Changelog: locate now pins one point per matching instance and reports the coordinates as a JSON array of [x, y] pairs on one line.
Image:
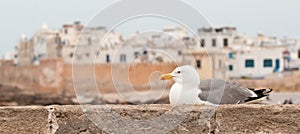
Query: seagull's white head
[[183, 75]]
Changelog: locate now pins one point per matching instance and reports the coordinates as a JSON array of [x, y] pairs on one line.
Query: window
[[41, 56], [89, 41], [145, 52], [186, 38], [268, 63], [225, 42], [214, 42], [277, 65], [123, 58], [230, 55], [230, 68], [136, 54], [107, 58], [198, 63], [35, 59], [179, 52], [71, 55], [202, 43], [249, 63]]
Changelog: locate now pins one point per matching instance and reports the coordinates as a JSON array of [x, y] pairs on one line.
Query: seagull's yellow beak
[[166, 76]]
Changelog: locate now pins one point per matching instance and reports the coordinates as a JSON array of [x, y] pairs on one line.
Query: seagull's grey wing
[[218, 91]]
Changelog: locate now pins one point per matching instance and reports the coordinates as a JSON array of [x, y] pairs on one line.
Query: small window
[[71, 55], [268, 63], [145, 52], [230, 55], [225, 42], [277, 65], [214, 42], [202, 43], [198, 63], [136, 54], [107, 58], [123, 58], [41, 56], [179, 52], [230, 68], [35, 59], [89, 41], [249, 63], [186, 38]]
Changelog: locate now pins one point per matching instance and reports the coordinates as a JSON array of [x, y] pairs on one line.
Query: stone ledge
[[144, 119]]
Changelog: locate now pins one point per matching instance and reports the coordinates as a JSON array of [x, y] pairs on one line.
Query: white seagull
[[188, 89]]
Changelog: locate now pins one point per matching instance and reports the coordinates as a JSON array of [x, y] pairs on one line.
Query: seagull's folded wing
[[218, 91]]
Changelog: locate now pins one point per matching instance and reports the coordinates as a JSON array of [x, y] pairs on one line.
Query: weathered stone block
[[151, 119], [133, 119], [258, 118], [23, 120]]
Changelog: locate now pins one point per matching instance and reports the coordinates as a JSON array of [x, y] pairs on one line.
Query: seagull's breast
[[179, 95]]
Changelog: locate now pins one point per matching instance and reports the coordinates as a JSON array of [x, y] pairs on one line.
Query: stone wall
[[135, 119], [54, 77], [45, 78], [108, 76]]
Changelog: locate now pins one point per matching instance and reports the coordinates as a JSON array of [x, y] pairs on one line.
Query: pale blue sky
[[274, 17]]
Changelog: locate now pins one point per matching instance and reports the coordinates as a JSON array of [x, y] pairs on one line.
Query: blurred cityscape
[[40, 67]]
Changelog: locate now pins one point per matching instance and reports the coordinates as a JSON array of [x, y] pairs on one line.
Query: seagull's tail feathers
[[262, 94]]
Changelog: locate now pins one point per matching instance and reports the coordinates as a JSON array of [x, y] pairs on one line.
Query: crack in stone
[[53, 125]]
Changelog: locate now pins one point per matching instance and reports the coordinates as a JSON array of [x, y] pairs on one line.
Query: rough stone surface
[[27, 120], [151, 119], [129, 119], [258, 118]]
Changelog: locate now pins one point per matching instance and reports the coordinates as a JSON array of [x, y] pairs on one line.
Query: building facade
[[215, 52]]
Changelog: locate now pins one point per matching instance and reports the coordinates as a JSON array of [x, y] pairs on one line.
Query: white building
[[216, 38], [46, 43], [72, 42], [235, 54], [255, 63], [25, 51], [151, 47], [245, 56], [264, 40]]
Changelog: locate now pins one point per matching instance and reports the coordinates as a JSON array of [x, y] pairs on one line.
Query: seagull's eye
[[178, 72]]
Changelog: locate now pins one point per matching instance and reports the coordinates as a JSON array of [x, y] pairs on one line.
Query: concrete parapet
[[224, 119]]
